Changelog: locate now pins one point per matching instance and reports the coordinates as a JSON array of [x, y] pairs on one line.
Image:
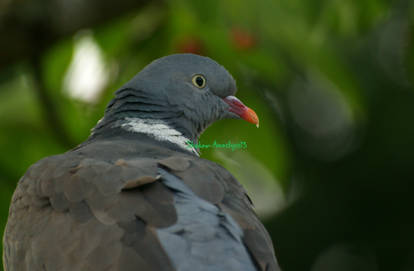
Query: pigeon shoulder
[[77, 212]]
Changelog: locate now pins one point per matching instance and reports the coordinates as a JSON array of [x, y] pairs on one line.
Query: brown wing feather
[[70, 213]]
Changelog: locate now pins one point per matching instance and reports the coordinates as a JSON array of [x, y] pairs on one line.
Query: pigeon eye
[[199, 81]]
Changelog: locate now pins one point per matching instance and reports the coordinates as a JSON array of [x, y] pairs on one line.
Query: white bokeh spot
[[87, 74]]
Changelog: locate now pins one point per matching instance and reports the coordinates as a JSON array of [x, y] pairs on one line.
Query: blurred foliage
[[331, 167]]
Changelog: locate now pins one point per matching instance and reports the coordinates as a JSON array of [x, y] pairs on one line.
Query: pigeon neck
[[139, 112], [157, 129]]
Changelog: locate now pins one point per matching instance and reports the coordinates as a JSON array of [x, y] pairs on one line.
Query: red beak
[[238, 108]]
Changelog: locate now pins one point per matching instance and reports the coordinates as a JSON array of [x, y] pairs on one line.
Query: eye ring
[[199, 81]]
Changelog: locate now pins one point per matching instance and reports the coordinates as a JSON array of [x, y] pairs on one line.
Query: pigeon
[[136, 195]]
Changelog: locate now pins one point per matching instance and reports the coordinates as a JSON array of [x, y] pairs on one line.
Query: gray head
[[188, 92]]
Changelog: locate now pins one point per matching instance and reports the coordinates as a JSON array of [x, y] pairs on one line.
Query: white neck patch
[[158, 130]]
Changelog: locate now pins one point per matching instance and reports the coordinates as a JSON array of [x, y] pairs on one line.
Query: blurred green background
[[331, 169]]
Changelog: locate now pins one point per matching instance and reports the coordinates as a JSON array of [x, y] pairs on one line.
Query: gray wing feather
[[203, 236]]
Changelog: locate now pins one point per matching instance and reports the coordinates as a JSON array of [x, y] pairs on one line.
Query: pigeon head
[[184, 92]]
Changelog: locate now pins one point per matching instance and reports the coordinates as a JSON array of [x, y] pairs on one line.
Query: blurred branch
[[51, 115], [29, 27]]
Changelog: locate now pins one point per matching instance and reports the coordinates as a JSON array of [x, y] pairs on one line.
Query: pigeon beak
[[238, 108]]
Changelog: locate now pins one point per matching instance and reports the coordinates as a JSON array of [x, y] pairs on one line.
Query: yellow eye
[[199, 81]]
